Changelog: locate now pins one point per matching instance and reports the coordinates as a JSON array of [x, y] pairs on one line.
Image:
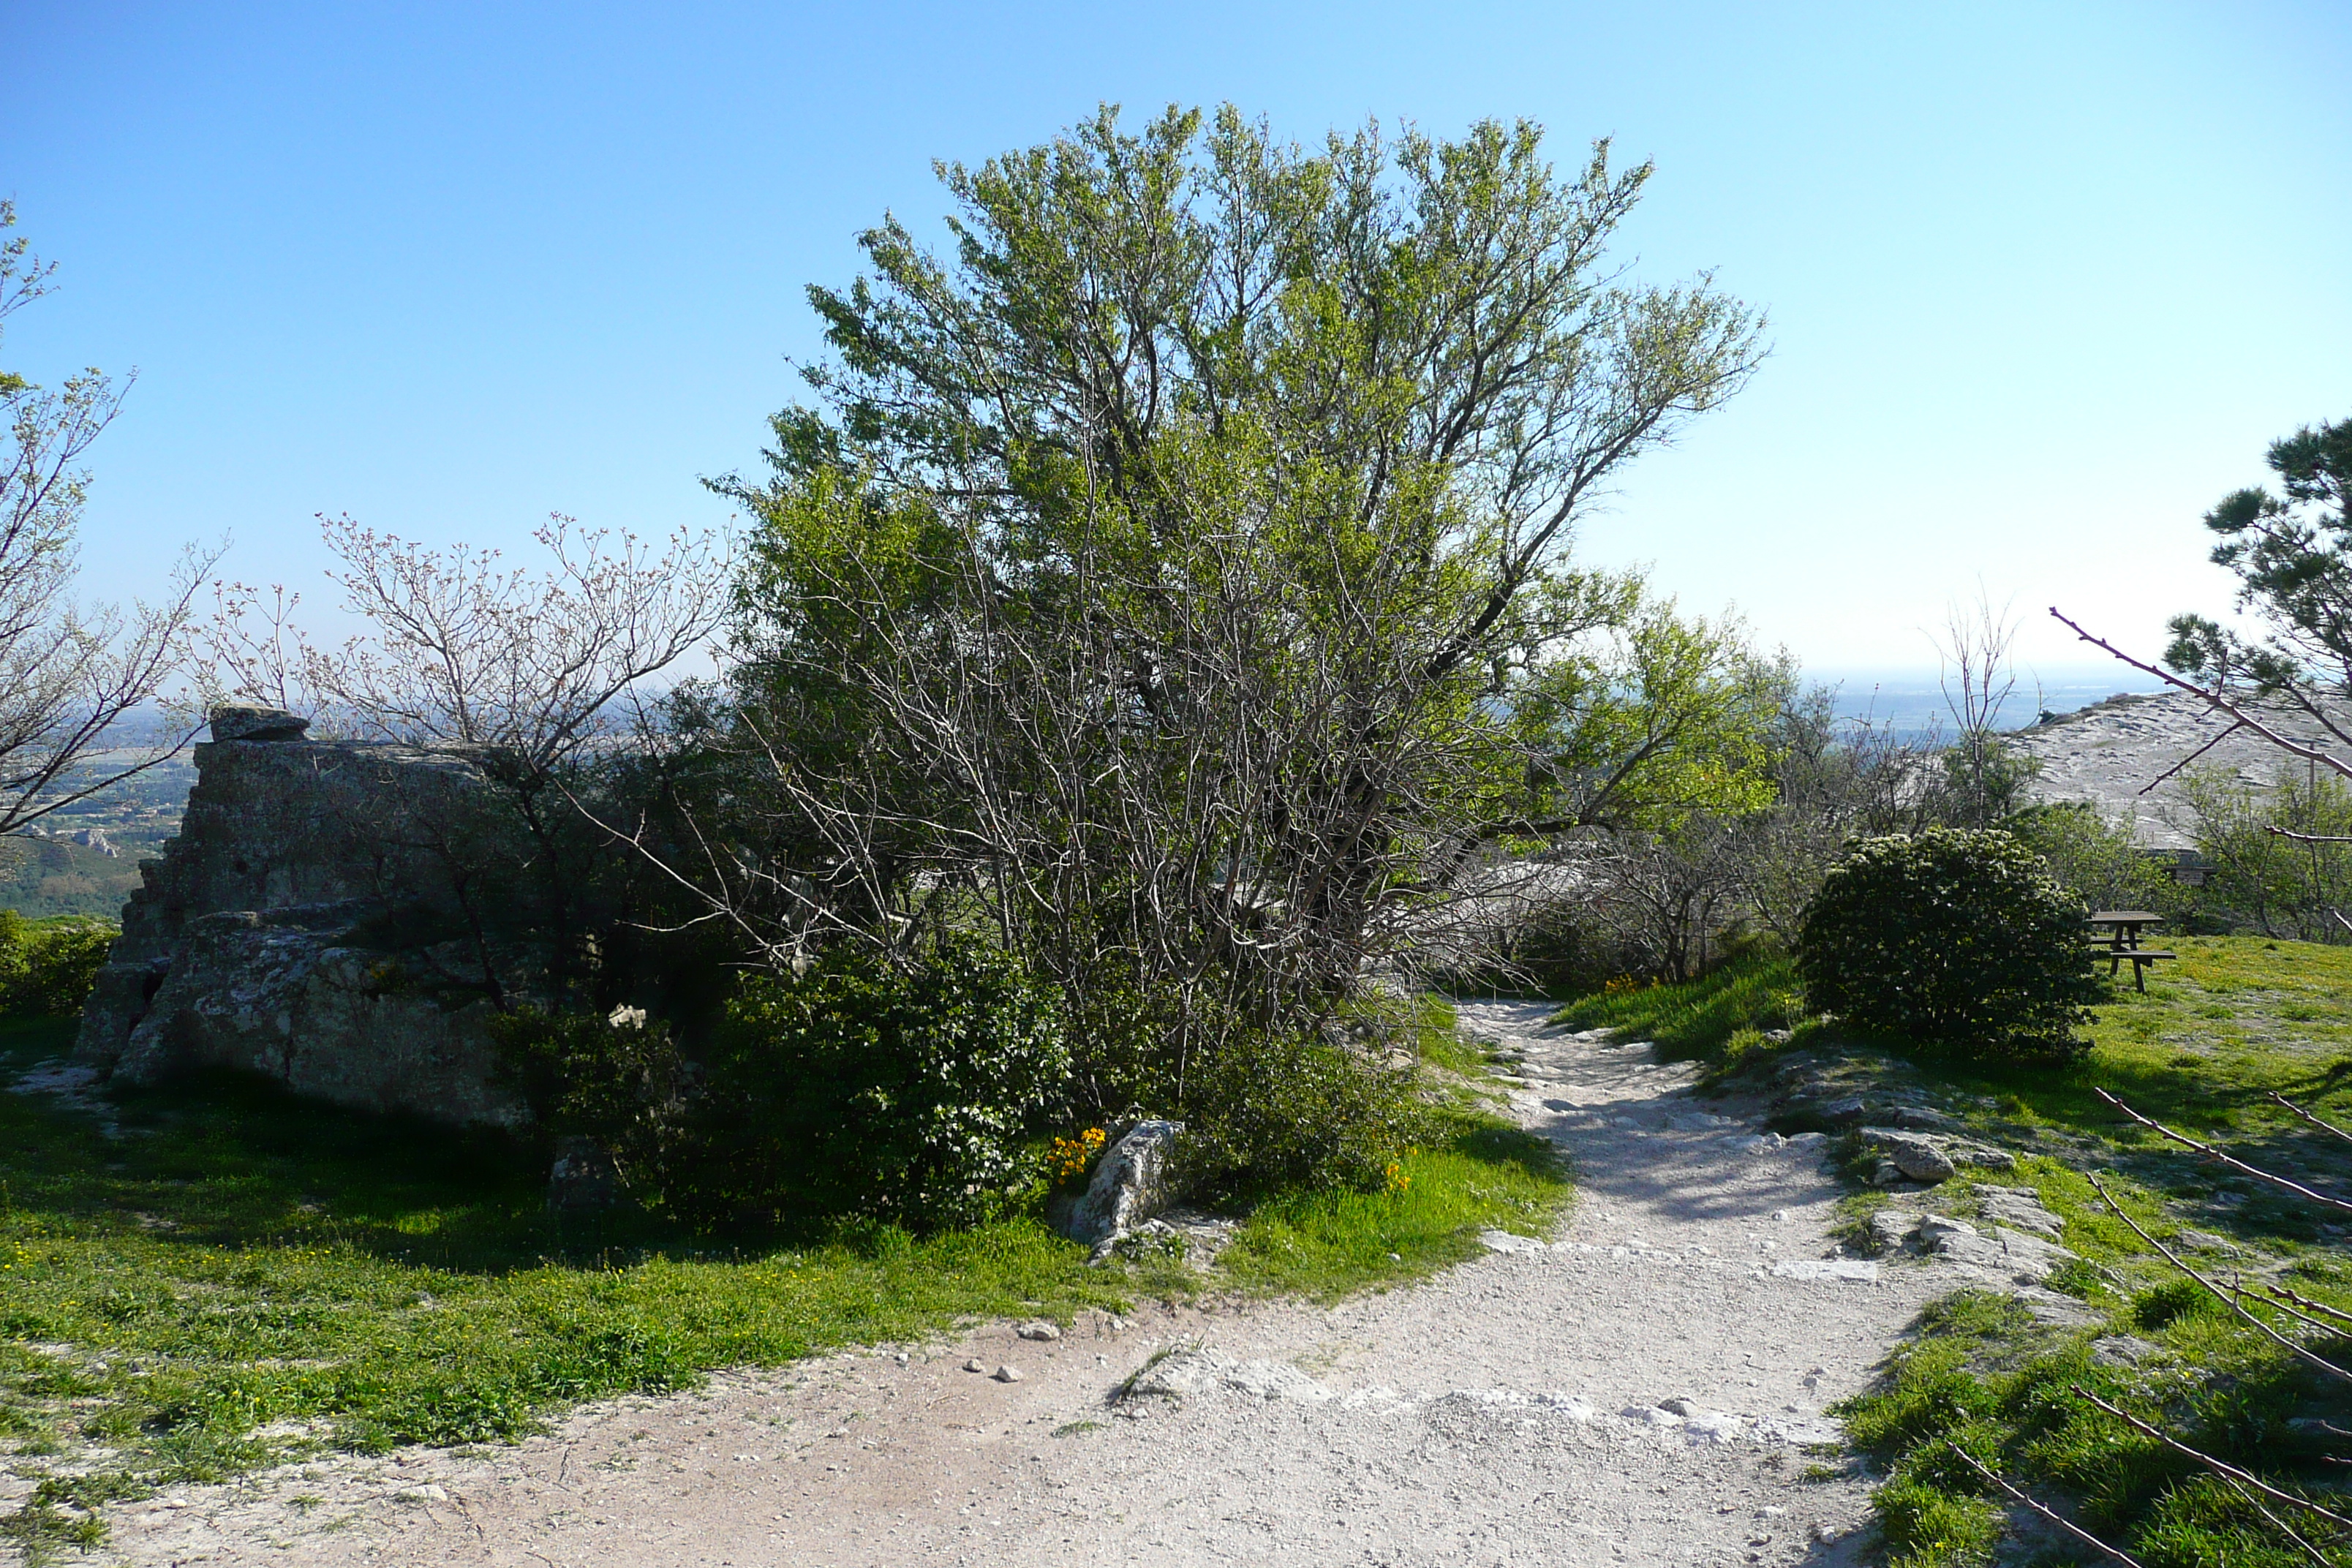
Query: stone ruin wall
[[290, 930]]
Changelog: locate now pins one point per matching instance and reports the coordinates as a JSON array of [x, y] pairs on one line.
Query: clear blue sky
[[2045, 278]]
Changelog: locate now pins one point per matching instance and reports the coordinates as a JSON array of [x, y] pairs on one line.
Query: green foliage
[[1755, 990], [2292, 553], [247, 1259], [2260, 880], [1982, 1376], [906, 1094], [1926, 1527], [2098, 862], [1653, 716], [245, 1263], [1955, 939], [1175, 567], [2233, 1021], [46, 969], [616, 1079], [1272, 1112]]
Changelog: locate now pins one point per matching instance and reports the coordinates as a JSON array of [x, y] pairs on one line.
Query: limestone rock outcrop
[[1132, 1182], [311, 922]]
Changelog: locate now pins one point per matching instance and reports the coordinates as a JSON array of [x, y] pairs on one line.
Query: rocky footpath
[[1651, 1385]]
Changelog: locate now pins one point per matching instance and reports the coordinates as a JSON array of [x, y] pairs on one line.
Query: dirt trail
[[1508, 1412]]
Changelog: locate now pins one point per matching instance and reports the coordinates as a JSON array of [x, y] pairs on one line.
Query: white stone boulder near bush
[[1134, 1180]]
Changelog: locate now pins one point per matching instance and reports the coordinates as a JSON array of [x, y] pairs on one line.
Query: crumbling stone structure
[[317, 920]]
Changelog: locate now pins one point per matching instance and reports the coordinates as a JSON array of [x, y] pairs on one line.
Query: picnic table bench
[[2114, 936]]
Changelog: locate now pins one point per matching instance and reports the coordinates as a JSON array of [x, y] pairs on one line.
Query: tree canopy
[[1180, 564], [2292, 554]]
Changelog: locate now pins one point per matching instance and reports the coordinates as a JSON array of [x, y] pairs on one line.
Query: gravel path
[[1513, 1411]]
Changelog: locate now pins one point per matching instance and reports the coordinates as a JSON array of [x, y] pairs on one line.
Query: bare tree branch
[[2321, 1363], [72, 676], [2053, 1515], [2218, 1157], [2308, 1116], [2183, 764], [2214, 700], [2219, 1467]]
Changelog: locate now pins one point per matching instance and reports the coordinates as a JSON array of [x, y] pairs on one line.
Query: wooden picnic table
[[2114, 936]]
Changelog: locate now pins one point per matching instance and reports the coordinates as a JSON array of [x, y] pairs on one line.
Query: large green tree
[[1177, 569]]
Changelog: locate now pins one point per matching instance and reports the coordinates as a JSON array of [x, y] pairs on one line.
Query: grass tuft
[[1485, 1175]]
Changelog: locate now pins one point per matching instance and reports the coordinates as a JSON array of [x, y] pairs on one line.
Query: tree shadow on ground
[[225, 1159]]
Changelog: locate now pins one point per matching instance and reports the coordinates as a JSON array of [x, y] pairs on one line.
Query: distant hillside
[[41, 877], [2110, 751], [84, 860]]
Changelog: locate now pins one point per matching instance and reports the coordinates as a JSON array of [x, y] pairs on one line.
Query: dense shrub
[[48, 970], [2259, 881], [1955, 938], [907, 1095], [1266, 1112], [615, 1077]]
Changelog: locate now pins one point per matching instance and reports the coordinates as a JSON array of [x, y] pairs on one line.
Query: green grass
[[1984, 1378], [1484, 1176], [1756, 990], [2236, 1020], [240, 1277]]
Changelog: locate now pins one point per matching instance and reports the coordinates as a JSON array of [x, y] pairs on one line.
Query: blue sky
[[2044, 279]]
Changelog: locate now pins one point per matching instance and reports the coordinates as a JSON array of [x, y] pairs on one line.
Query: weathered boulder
[[237, 722], [1132, 1182], [1917, 1157], [2024, 1258], [306, 922], [285, 993], [2020, 1208], [1893, 1229]]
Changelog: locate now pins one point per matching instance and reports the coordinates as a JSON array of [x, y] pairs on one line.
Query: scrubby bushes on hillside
[[48, 970], [904, 1094], [1956, 939], [2098, 861], [1269, 1113]]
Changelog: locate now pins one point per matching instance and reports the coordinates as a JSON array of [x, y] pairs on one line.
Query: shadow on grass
[[226, 1160]]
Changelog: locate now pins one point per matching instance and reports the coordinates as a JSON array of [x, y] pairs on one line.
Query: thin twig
[[2212, 700], [2308, 837], [2069, 1526], [2192, 757], [2219, 1467], [2307, 1303], [2322, 1362], [2282, 1526], [2304, 1318], [2308, 1116], [2236, 1164]]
